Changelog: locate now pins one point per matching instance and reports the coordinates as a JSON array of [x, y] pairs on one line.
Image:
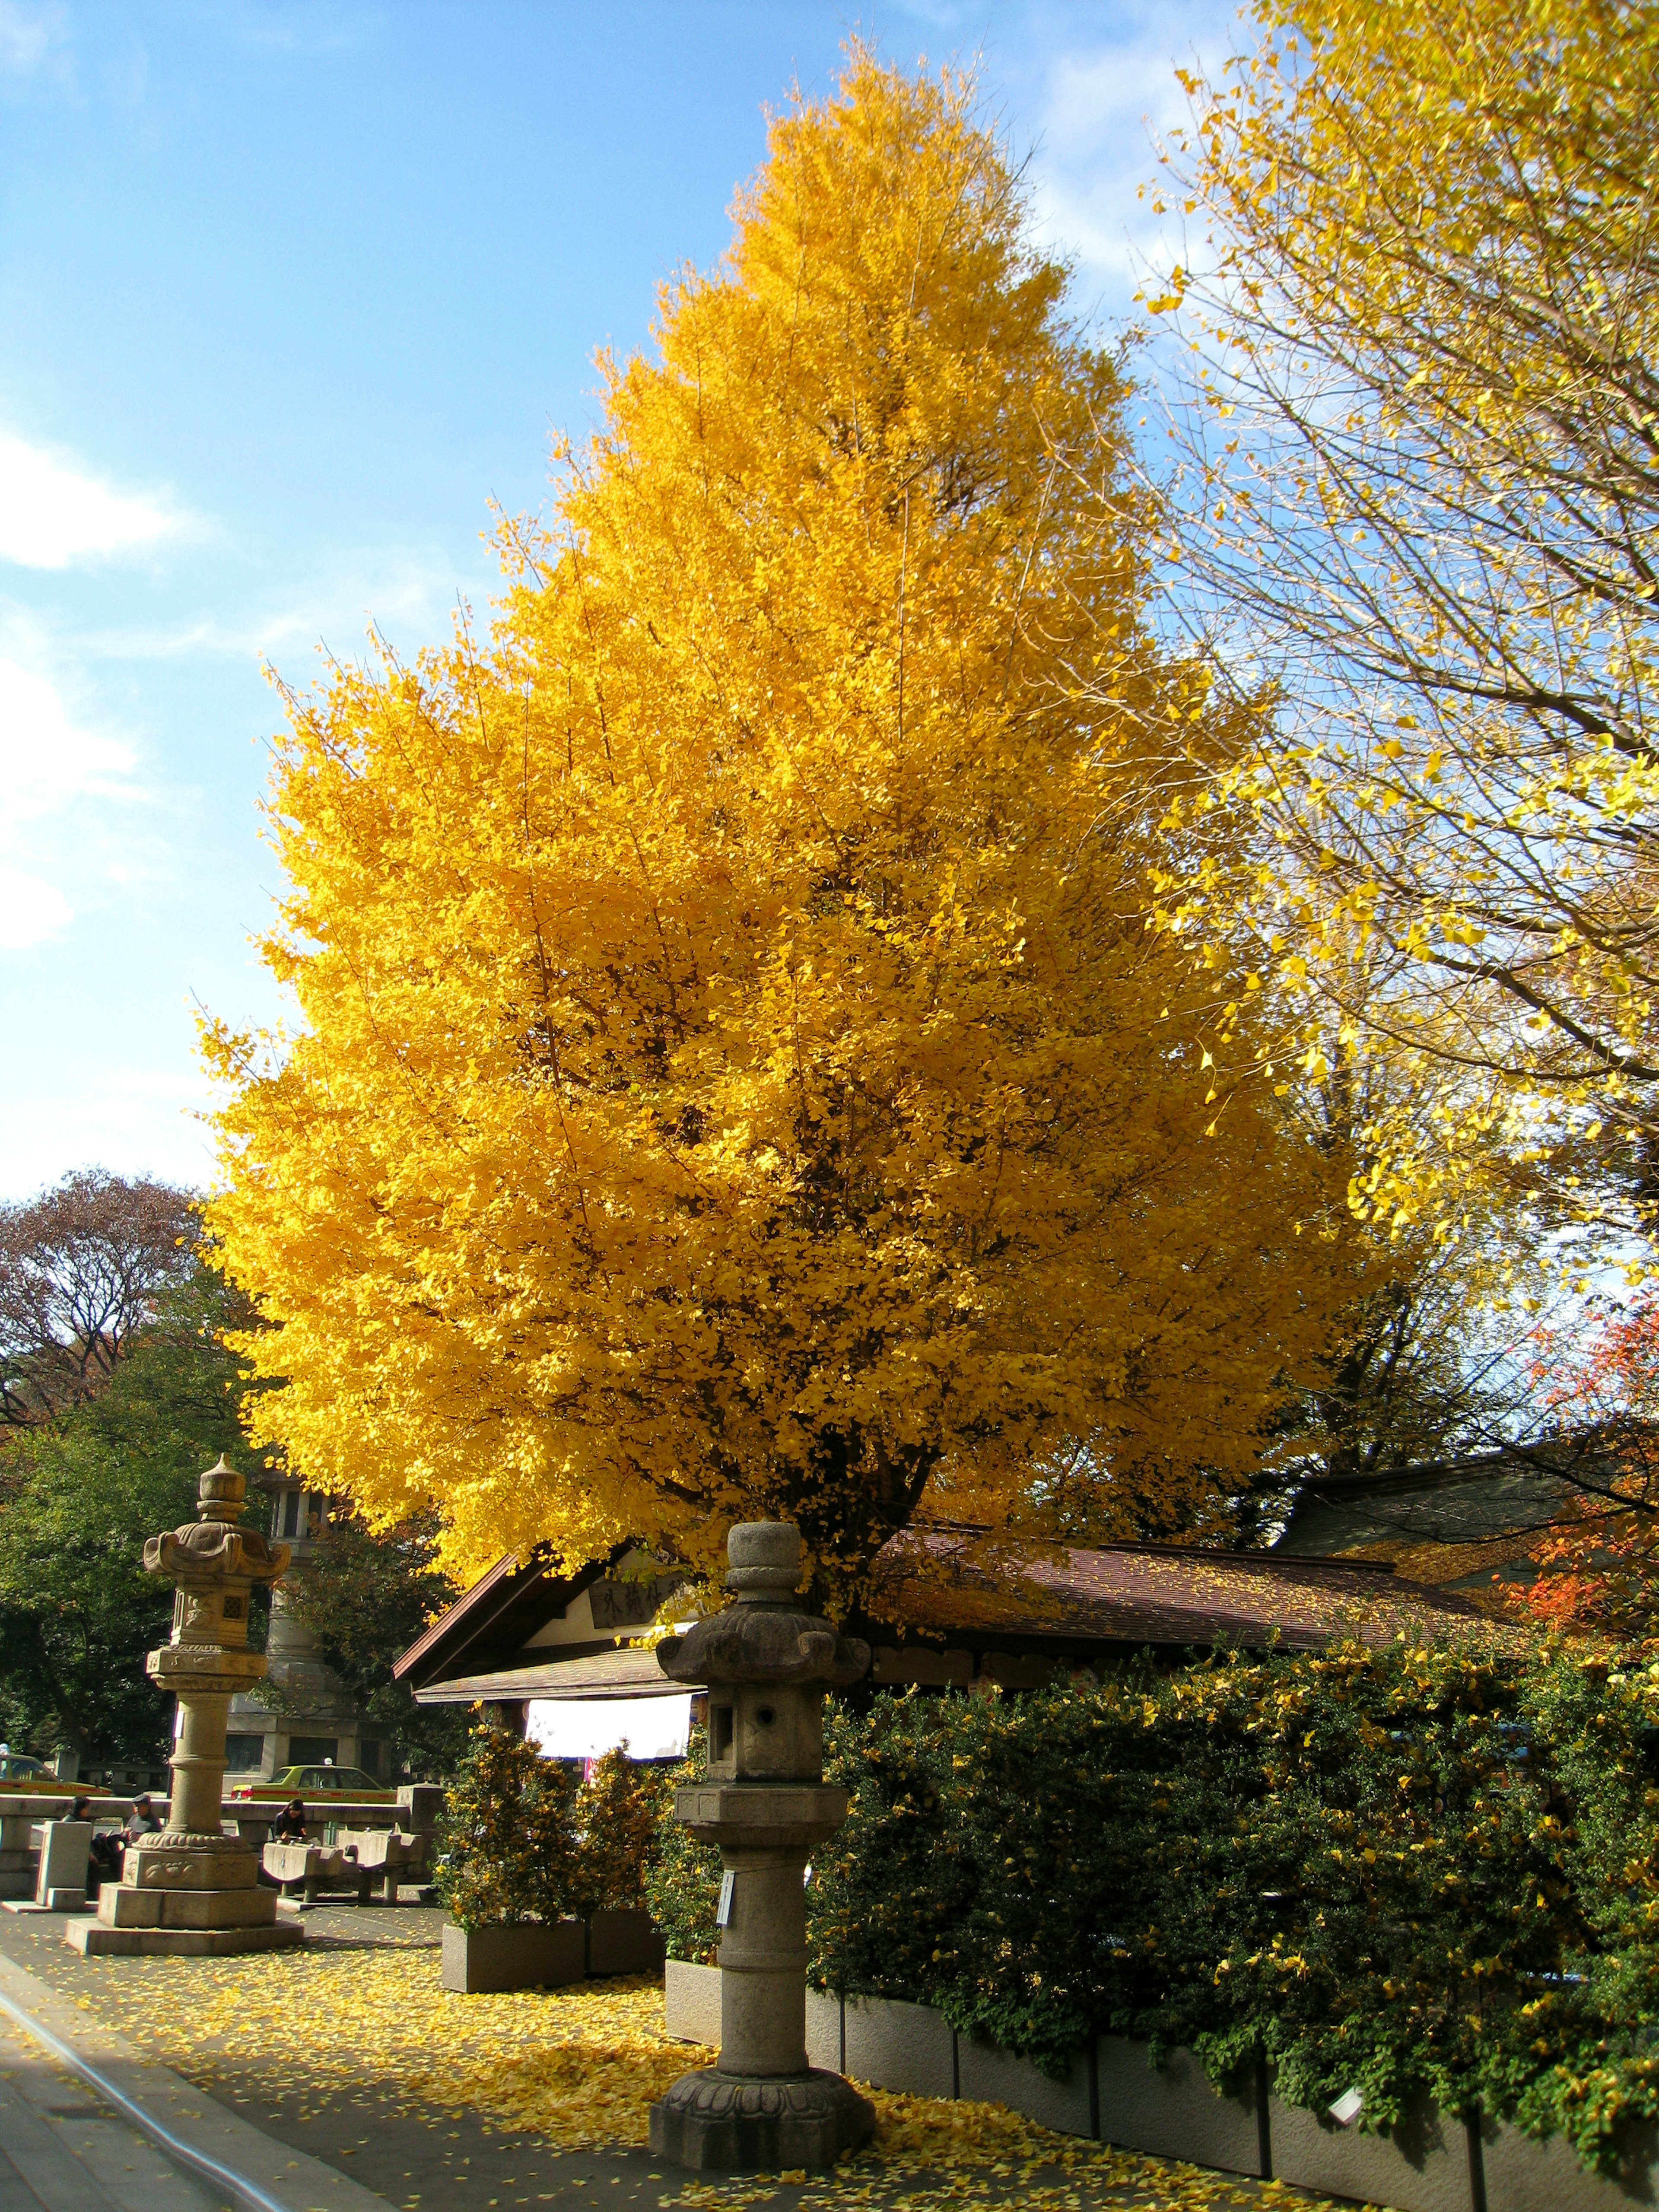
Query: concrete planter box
[[1526, 2176], [1173, 2111], [824, 2031], [996, 2077], [691, 2001], [622, 1942], [523, 1955], [898, 2046], [1422, 2165]]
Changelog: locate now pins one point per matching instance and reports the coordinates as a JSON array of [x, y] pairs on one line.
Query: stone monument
[[766, 1804], [192, 1889]]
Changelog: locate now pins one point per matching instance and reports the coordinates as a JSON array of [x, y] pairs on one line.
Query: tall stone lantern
[[192, 1889], [766, 1804]]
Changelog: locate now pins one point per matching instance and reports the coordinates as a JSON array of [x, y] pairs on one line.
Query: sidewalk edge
[[264, 2174]]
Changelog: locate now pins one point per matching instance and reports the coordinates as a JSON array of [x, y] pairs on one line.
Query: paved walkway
[[88, 2123], [314, 2141], [63, 2149]]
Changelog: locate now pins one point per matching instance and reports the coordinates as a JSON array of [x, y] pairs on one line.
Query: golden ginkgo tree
[[735, 1071]]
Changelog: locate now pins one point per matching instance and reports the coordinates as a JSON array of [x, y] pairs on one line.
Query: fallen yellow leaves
[[581, 2067]]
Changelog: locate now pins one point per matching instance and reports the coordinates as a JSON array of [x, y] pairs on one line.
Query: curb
[[185, 2123]]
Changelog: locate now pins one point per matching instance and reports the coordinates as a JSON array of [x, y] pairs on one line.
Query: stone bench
[[386, 1856], [315, 1870]]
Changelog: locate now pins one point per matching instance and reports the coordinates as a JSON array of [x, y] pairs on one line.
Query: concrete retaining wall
[[1429, 2163]]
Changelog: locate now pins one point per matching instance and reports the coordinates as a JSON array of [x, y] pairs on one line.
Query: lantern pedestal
[[192, 1889], [766, 1806]]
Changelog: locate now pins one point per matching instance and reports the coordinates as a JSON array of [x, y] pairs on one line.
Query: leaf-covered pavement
[[367, 2036]]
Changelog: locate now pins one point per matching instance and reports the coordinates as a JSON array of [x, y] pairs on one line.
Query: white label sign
[[728, 1891]]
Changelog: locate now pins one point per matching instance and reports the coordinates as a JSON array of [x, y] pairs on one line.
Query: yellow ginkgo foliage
[[735, 1074]]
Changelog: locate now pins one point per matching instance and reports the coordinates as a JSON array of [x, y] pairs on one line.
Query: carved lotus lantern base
[[192, 1889], [767, 1806], [730, 2122]]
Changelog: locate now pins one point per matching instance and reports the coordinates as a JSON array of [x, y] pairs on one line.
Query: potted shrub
[[508, 1872], [617, 1809], [544, 1874]]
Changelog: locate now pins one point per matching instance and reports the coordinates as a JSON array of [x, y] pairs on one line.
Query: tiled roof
[[1156, 1593]]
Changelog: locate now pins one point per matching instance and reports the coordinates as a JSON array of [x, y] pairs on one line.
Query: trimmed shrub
[[508, 1844], [617, 1812], [526, 1838], [682, 1877]]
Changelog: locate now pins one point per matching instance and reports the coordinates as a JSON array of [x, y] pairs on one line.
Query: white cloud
[[47, 764], [32, 39], [31, 909], [51, 514], [1103, 105], [135, 1116]]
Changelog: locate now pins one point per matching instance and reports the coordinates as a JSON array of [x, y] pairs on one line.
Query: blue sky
[[288, 294]]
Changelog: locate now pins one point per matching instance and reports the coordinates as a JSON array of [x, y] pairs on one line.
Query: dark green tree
[[78, 1496]]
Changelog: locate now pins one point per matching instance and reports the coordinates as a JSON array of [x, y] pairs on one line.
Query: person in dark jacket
[[290, 1826], [141, 1820]]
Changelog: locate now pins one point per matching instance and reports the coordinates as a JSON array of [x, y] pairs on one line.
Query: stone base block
[[119, 1906], [94, 1940], [218, 1908], [734, 2123], [226, 1865]]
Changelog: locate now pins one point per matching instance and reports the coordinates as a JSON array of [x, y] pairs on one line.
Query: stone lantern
[[766, 1804], [192, 1889]]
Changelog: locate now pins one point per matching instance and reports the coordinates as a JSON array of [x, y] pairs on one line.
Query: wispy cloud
[[31, 39], [1103, 103], [59, 1106], [404, 593], [52, 514], [48, 765]]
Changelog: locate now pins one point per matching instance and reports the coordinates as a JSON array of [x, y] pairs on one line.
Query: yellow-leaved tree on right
[[737, 1073]]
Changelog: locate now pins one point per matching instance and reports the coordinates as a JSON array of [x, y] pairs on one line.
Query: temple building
[[558, 1657]]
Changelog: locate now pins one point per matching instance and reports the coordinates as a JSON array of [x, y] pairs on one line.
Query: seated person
[[103, 1851], [141, 1820], [290, 1826]]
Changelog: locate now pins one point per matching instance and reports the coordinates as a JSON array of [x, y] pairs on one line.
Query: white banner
[[586, 1727]]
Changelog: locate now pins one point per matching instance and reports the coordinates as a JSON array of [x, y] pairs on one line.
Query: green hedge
[[1407, 1871]]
